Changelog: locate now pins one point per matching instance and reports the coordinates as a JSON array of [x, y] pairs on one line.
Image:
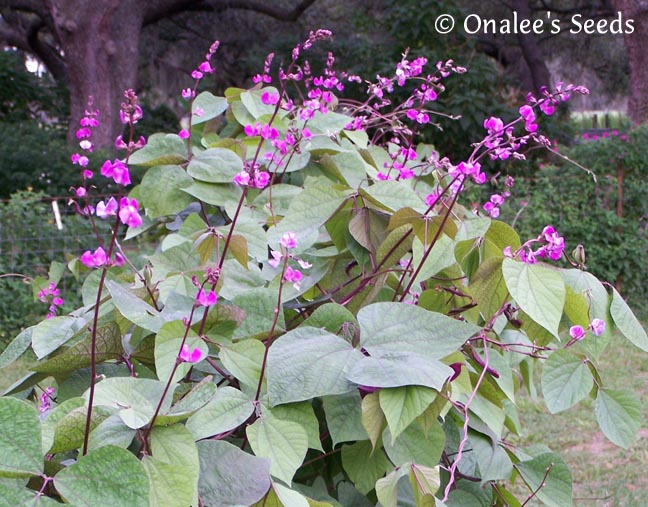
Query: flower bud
[[579, 255]]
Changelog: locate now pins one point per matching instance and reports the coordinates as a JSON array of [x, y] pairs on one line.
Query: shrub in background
[[587, 206]]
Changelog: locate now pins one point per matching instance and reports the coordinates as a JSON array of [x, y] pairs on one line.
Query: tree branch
[[33, 6], [266, 8], [161, 9], [48, 54]]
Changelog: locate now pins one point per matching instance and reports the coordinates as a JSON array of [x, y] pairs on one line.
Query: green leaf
[[283, 441], [107, 477], [211, 106], [397, 327], [258, 305], [238, 249], [369, 228], [344, 417], [425, 482], [50, 334], [502, 235], [218, 194], [415, 445], [108, 346], [160, 191], [251, 99], [111, 431], [395, 369], [387, 487], [167, 347], [332, 317], [328, 123], [548, 475], [227, 410], [393, 195], [243, 360], [48, 428], [440, 257], [21, 450], [364, 465], [307, 212], [293, 498], [373, 419], [194, 400], [488, 287], [402, 405], [347, 166], [20, 496], [135, 398], [566, 380], [160, 149], [589, 287], [133, 308], [627, 323], [215, 165], [619, 415], [304, 415], [306, 363], [576, 308], [494, 462], [70, 430], [230, 477], [173, 467], [17, 347], [538, 290]]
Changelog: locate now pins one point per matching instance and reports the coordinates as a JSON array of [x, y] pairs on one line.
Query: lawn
[[604, 475]]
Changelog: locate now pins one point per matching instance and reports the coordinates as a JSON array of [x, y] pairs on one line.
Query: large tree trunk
[[100, 41], [635, 44], [538, 72]]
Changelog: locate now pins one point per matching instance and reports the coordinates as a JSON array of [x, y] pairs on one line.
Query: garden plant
[[323, 323]]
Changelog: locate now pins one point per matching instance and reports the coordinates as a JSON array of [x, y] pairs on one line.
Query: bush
[[323, 323], [586, 207]]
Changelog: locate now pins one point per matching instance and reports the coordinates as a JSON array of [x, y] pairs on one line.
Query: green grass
[[603, 475]]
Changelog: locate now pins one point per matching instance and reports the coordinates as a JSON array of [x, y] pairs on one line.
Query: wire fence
[[36, 230]]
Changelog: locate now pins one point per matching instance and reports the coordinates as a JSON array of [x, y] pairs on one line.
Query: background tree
[[93, 45], [636, 48]]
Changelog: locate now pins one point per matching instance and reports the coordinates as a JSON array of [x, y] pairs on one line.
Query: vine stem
[[93, 338], [268, 342], [542, 485], [169, 381], [464, 439]]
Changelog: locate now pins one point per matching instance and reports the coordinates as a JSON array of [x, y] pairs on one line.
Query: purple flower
[[242, 179], [116, 170], [261, 179], [577, 333], [597, 326], [206, 298], [269, 99], [105, 210], [288, 240], [129, 212], [293, 276], [94, 259], [45, 399], [190, 356]]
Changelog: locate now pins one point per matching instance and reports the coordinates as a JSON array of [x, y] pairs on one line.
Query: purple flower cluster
[[551, 246]]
